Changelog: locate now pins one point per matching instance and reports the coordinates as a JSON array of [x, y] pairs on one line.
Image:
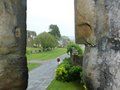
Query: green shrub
[[75, 72], [61, 74], [74, 48], [66, 63], [67, 72]]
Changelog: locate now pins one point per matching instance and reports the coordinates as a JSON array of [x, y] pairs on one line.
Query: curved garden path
[[40, 78]]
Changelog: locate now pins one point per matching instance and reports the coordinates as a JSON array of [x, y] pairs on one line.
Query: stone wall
[[13, 65], [102, 62]]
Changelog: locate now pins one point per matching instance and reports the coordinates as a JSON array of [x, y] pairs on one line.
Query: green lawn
[[30, 49], [32, 66], [57, 85], [45, 55]]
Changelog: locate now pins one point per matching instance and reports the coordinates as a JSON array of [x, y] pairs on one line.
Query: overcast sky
[[42, 13]]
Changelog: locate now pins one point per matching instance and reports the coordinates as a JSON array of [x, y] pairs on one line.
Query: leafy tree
[[47, 41], [73, 48], [54, 30], [37, 42]]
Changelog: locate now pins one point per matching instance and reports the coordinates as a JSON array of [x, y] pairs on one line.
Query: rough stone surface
[[102, 62], [85, 21], [13, 66]]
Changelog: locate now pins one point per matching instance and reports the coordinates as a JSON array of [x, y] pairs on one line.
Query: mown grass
[[45, 55], [32, 66], [58, 85], [30, 49]]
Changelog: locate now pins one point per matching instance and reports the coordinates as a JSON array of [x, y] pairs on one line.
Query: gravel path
[[40, 78]]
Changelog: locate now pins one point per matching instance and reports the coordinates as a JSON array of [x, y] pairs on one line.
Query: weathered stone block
[[85, 21], [13, 65]]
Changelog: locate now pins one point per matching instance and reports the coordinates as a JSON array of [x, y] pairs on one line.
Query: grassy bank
[[32, 66], [57, 85], [45, 55]]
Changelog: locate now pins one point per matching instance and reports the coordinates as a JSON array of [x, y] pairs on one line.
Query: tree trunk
[[13, 65], [102, 62]]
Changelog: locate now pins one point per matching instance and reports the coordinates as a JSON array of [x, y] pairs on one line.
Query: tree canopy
[[54, 30], [46, 40], [73, 48]]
